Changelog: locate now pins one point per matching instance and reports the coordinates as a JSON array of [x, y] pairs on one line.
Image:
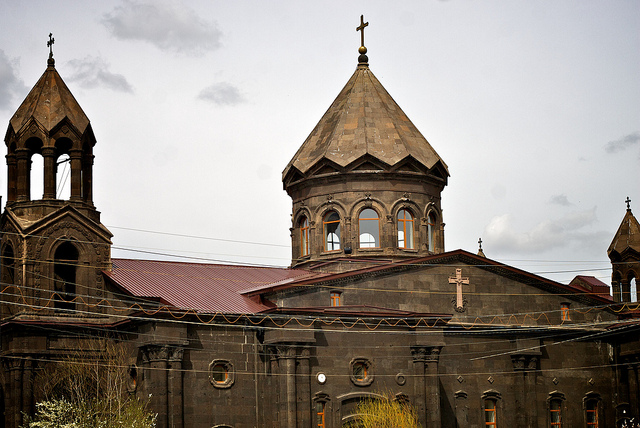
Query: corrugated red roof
[[202, 287]]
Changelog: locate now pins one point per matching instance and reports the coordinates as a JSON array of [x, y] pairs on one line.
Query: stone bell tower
[[52, 249], [366, 183], [624, 253]]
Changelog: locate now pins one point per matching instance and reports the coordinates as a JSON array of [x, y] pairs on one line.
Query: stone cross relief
[[459, 302]]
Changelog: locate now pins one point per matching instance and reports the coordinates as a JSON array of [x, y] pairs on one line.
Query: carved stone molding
[[151, 353]]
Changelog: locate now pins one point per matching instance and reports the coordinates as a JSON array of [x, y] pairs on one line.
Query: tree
[[90, 390], [386, 412]]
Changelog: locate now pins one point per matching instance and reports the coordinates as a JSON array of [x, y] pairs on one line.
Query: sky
[[198, 106]]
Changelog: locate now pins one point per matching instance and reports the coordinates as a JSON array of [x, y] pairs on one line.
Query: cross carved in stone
[[459, 281], [361, 29]]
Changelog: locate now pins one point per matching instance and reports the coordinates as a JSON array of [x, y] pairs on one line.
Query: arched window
[[320, 414], [591, 410], [369, 223], [304, 237], [490, 412], [633, 288], [66, 261], [431, 232], [555, 409], [490, 399], [405, 229], [331, 225]]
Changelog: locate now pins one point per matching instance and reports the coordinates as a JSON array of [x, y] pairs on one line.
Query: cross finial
[[362, 59], [361, 29], [628, 201], [480, 243], [50, 44]]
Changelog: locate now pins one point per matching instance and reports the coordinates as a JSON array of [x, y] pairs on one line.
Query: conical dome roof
[[49, 103], [364, 120], [627, 237]]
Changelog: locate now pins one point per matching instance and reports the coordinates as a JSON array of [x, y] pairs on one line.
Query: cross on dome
[[361, 29], [50, 44]]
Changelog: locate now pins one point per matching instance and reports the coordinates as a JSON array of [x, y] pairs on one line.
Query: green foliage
[[89, 390], [385, 413]]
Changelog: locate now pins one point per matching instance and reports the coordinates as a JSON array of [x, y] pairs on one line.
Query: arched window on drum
[[431, 232], [331, 226], [304, 236], [405, 229], [369, 227]]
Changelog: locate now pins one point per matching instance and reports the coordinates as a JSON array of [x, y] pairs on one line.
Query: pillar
[[76, 174], [87, 177], [175, 387], [304, 389], [12, 177], [23, 165], [419, 360], [432, 384], [49, 155], [155, 364], [632, 375], [526, 367]]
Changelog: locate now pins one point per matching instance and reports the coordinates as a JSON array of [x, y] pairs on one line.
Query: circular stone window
[[221, 373], [321, 378], [361, 371]]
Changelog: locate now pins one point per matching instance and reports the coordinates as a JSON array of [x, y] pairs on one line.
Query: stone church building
[[372, 303]]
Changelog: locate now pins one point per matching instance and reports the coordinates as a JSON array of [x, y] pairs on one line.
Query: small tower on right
[[624, 253]]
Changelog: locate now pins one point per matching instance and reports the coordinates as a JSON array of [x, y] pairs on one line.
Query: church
[[371, 306]]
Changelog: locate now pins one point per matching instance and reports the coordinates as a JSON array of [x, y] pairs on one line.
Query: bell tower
[[624, 253], [53, 250]]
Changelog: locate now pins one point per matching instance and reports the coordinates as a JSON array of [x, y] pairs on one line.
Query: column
[[76, 174], [304, 389], [13, 392], [632, 375], [28, 406], [87, 177], [175, 387], [519, 365], [287, 360], [24, 169], [49, 155], [530, 389], [432, 384], [419, 359], [155, 361], [12, 177]]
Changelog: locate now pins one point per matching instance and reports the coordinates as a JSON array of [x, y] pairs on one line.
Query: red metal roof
[[202, 287]]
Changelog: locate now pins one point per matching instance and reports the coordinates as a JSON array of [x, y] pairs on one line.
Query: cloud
[[222, 93], [623, 143], [10, 85], [501, 234], [560, 200], [170, 27], [93, 72]]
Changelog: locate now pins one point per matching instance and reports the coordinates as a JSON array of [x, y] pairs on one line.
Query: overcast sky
[[198, 106]]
